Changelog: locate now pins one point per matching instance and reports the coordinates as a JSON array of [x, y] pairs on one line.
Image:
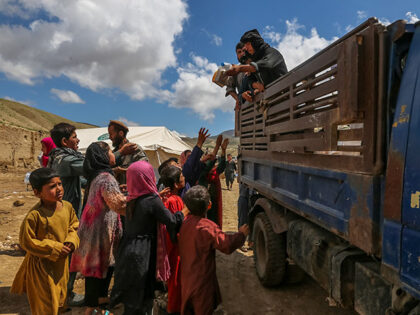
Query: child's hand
[[185, 211], [69, 245], [219, 140], [225, 144], [164, 192], [119, 170], [244, 229], [218, 143], [203, 134], [65, 251], [208, 157], [258, 86], [247, 95]]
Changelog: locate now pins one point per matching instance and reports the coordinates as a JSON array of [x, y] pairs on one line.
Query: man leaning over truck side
[[267, 62], [234, 83]]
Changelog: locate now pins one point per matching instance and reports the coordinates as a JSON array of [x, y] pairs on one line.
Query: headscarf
[[49, 144], [96, 161], [257, 42], [140, 180]]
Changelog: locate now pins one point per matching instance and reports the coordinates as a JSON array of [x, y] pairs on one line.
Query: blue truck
[[329, 158]]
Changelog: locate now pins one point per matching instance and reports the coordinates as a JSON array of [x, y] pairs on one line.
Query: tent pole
[[158, 156]]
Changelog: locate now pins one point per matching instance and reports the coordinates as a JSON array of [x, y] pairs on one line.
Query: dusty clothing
[[234, 84], [125, 161], [230, 172], [230, 167], [43, 275], [69, 165], [100, 228], [198, 240], [134, 286]]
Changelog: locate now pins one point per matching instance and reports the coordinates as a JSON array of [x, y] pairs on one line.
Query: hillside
[[19, 115], [210, 142]]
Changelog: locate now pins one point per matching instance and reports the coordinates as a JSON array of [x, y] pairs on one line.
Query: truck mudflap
[[372, 292], [326, 258]]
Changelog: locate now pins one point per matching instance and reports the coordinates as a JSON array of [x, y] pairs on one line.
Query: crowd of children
[[142, 233]]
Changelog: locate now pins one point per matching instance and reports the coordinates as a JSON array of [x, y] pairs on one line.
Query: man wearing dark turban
[[267, 62]]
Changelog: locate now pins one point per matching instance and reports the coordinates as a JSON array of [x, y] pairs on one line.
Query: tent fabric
[[158, 143]]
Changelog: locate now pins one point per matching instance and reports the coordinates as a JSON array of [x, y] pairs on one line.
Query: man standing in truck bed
[[267, 62]]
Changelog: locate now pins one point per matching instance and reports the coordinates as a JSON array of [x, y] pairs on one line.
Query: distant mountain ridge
[[19, 115], [228, 133], [211, 141]]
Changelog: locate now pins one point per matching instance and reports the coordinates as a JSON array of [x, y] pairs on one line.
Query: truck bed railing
[[327, 112]]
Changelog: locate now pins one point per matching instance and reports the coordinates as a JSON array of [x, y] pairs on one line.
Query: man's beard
[[243, 59], [247, 55], [117, 141]]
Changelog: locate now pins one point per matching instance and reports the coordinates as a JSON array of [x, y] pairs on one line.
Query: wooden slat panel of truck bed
[[325, 111]]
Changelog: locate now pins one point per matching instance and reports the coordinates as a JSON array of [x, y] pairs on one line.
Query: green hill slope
[[23, 116]]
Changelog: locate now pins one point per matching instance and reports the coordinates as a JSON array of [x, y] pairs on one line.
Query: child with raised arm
[[210, 179], [48, 234], [198, 240]]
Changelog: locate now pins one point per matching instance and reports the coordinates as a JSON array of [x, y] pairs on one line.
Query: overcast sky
[[150, 63]]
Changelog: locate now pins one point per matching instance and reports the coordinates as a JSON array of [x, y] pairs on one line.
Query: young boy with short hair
[[198, 240], [68, 163], [48, 234]]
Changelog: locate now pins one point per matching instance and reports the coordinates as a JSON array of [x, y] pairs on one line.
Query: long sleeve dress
[[135, 268], [43, 275], [210, 179], [198, 240], [100, 228], [193, 166]]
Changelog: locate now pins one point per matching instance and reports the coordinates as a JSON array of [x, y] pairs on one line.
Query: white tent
[[159, 143]]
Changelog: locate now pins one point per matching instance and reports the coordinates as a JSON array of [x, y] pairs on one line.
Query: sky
[[150, 63]]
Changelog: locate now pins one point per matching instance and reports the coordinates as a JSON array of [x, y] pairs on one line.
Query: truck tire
[[269, 252]]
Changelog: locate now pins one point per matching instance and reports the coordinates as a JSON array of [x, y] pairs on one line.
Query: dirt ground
[[241, 291]]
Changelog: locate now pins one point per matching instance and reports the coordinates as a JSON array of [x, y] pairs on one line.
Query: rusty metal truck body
[[331, 151]]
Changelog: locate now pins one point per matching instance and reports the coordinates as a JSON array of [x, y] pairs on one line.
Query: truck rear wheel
[[269, 252]]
